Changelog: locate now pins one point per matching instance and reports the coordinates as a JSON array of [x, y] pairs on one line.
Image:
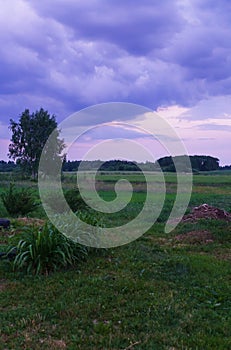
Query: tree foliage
[[7, 166], [29, 136], [111, 165], [198, 163]]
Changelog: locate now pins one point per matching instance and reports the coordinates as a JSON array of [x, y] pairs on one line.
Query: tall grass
[[45, 250]]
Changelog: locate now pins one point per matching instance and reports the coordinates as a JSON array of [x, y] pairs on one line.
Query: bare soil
[[31, 221], [206, 211], [195, 237]]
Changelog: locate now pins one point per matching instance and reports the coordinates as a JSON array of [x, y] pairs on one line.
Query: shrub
[[72, 197], [18, 201], [46, 249]]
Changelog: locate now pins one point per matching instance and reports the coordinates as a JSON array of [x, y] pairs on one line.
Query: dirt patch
[[54, 344], [195, 237], [31, 221], [224, 254], [206, 211], [16, 227]]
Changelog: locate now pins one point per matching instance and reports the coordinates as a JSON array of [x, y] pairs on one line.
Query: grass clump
[[43, 250]]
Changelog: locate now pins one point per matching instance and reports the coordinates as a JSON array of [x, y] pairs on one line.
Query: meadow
[[158, 292]]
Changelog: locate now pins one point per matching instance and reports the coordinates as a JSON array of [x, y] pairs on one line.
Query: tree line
[[31, 131], [167, 164], [199, 164]]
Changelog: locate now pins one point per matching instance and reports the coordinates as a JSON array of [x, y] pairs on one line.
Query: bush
[[72, 197], [75, 200], [40, 251], [18, 201]]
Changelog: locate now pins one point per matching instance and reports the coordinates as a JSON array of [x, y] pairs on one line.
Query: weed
[[45, 250]]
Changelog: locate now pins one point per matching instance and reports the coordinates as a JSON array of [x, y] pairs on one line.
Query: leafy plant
[[73, 198], [77, 230], [18, 201], [45, 250]]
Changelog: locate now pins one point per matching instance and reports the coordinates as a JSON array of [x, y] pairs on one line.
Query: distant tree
[[7, 166], [198, 163], [29, 136], [225, 167], [119, 165], [204, 163]]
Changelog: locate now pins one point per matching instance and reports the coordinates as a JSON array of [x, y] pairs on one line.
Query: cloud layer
[[64, 55]]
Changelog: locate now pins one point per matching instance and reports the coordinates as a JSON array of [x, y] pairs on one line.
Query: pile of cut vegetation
[[206, 211]]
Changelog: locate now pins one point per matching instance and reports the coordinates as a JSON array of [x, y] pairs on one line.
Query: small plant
[[18, 201], [40, 251], [73, 199], [76, 228]]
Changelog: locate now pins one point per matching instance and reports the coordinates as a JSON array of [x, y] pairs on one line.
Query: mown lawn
[[154, 293]]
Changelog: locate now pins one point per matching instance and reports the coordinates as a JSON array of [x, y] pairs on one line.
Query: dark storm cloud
[[136, 26], [203, 48], [66, 55]]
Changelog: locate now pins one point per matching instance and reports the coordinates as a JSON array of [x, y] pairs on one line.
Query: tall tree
[[29, 136]]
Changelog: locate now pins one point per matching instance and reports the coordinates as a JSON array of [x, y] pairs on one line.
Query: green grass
[[154, 293], [139, 293]]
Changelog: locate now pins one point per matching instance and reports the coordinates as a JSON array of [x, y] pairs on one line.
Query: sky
[[172, 57]]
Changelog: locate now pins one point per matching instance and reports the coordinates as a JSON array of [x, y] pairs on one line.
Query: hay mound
[[206, 211]]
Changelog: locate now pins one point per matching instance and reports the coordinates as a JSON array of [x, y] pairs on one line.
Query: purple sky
[[173, 56]]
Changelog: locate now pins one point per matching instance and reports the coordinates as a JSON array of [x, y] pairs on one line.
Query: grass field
[[154, 293]]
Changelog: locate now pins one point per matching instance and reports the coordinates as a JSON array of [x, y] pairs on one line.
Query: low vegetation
[[43, 250], [162, 291], [18, 201]]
